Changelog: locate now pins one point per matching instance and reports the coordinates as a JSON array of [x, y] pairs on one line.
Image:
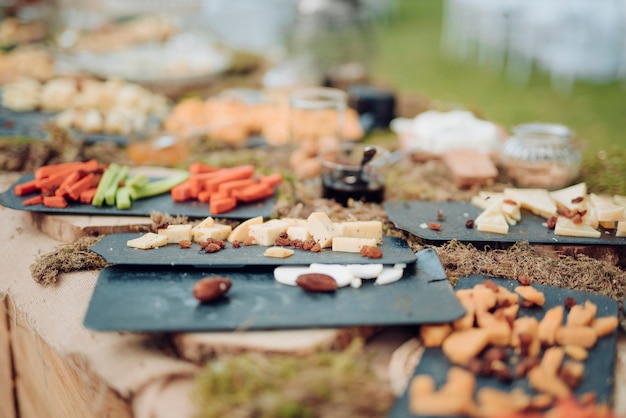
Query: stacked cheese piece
[[577, 213]]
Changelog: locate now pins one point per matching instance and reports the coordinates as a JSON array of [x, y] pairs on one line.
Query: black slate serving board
[[160, 300], [599, 366], [412, 216], [143, 207], [114, 250]]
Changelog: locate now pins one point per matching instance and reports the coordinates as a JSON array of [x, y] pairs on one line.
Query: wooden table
[[55, 367]]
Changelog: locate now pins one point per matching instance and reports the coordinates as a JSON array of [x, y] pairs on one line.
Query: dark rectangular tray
[[114, 250], [143, 207], [599, 366], [160, 300], [411, 216]]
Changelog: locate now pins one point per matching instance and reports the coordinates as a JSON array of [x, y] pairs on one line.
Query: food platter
[[599, 366], [114, 250], [142, 207], [146, 299], [414, 216]]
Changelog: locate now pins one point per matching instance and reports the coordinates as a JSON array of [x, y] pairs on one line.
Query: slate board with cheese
[[599, 365], [114, 249], [142, 207], [414, 216], [145, 299]]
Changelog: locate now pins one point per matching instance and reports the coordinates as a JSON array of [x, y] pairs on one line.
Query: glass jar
[[541, 155]]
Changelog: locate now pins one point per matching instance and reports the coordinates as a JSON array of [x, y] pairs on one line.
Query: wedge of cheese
[[573, 197], [619, 200], [176, 233], [538, 201], [217, 231], [565, 226], [206, 222], [240, 232], [148, 241], [321, 228], [621, 229], [606, 210], [492, 220]]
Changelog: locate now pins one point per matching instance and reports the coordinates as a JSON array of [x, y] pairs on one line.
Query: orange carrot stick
[[253, 192], [48, 170], [227, 187], [222, 205], [272, 180], [86, 196], [54, 202], [69, 180], [182, 192], [25, 188], [198, 167], [35, 200], [204, 196], [229, 174], [74, 191]]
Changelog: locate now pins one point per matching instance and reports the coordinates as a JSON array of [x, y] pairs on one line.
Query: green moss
[[605, 171]]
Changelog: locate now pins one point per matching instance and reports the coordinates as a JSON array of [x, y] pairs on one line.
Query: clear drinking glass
[[317, 113]]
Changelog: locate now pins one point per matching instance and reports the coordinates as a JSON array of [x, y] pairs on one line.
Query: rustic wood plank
[[57, 387], [199, 347], [7, 401], [69, 228]]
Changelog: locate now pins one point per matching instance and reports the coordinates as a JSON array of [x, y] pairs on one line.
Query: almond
[[211, 288], [316, 282]]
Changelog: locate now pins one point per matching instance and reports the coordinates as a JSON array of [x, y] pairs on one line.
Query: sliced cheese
[[240, 232], [619, 200], [206, 223], [621, 229], [147, 241], [492, 220], [573, 197], [267, 232], [321, 229], [362, 229], [351, 244], [176, 233], [537, 201], [217, 231], [606, 210], [278, 252], [565, 226]]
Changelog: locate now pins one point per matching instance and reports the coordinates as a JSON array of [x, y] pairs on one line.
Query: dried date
[[185, 243], [370, 251]]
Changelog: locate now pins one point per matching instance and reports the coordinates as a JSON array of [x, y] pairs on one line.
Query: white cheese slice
[[538, 201], [321, 229], [573, 197], [240, 232], [362, 229], [278, 252], [176, 233], [606, 210], [619, 200], [351, 245], [565, 226], [266, 233], [298, 232], [217, 231], [147, 241], [591, 217], [492, 220], [621, 229]]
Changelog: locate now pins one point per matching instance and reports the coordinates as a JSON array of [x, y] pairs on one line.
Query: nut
[[370, 251], [316, 282], [211, 288]]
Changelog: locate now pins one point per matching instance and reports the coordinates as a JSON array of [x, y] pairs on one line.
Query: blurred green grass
[[409, 57]]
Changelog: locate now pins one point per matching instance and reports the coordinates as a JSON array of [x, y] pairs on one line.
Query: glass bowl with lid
[[541, 155]]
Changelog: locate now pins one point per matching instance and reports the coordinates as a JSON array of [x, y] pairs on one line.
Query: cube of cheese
[[298, 232], [321, 228], [147, 241], [217, 231], [351, 244], [362, 229], [176, 233], [294, 221], [267, 232], [565, 226]]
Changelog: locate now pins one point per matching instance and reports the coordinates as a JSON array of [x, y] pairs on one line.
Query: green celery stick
[[107, 178], [159, 186], [109, 194], [140, 180], [122, 197]]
